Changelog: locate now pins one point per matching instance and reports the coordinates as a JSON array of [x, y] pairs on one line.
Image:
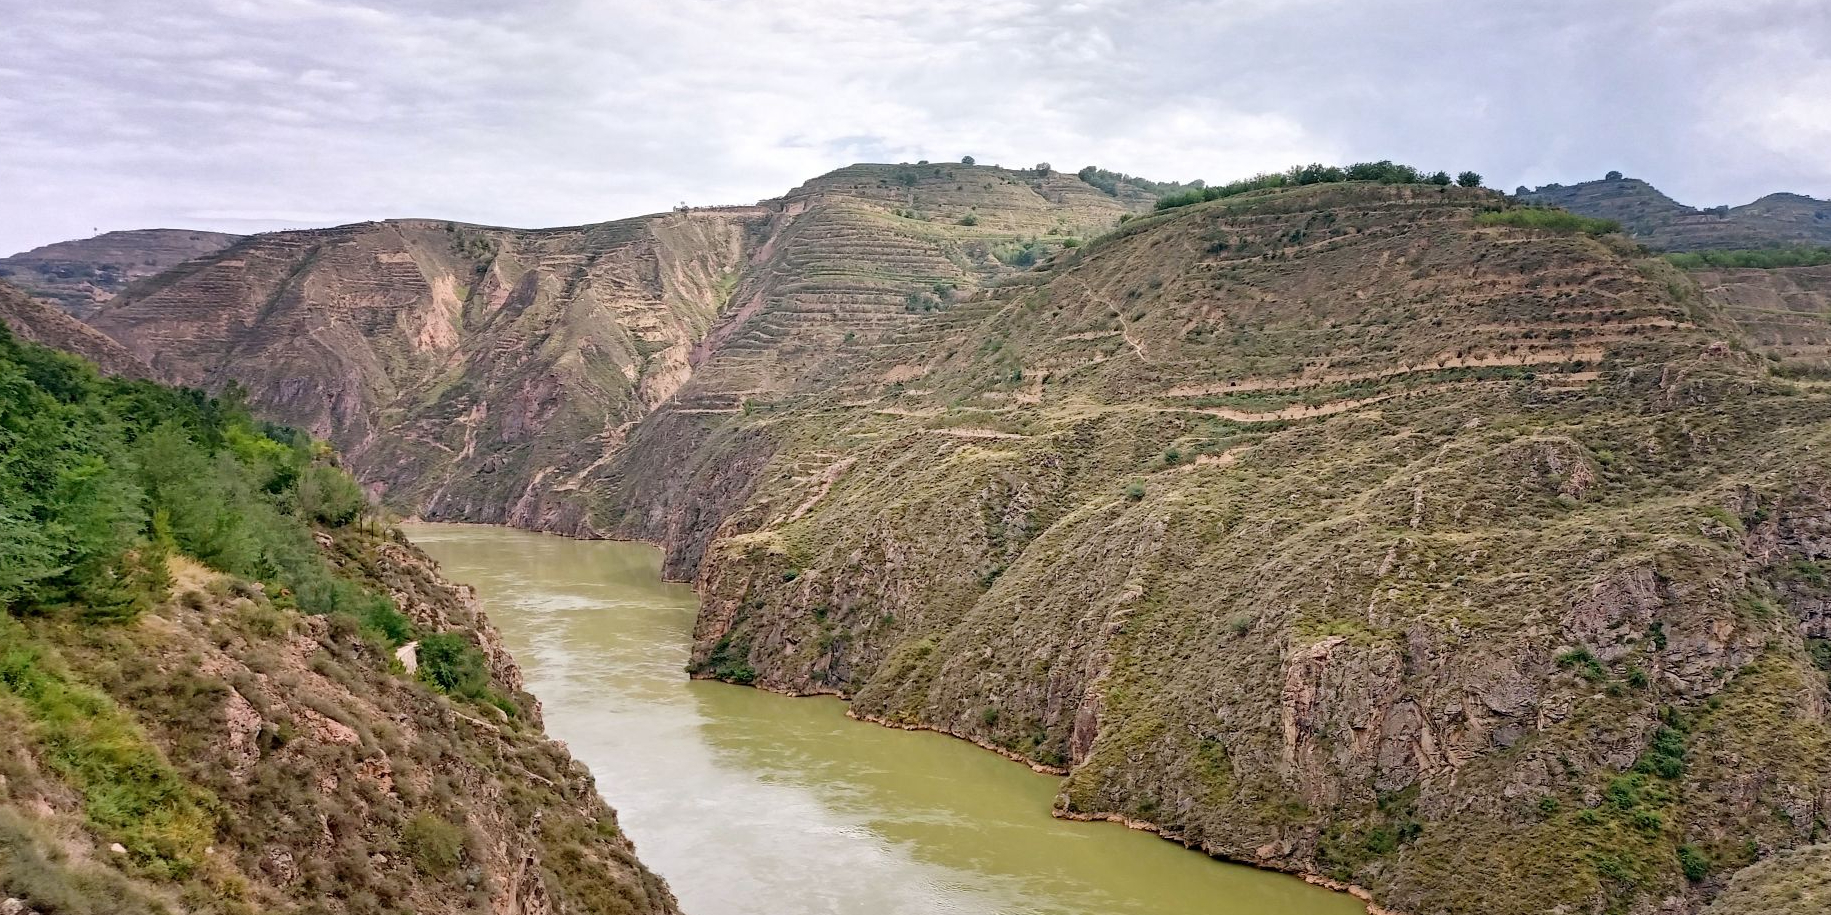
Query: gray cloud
[[254, 114]]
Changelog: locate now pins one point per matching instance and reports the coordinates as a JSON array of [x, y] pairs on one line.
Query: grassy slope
[[1327, 529]]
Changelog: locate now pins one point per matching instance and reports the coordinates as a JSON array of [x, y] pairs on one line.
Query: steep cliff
[[80, 275], [1329, 529], [461, 370], [225, 688], [484, 374]]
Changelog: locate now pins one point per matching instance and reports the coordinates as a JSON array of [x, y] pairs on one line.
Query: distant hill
[[80, 274], [36, 322], [1666, 224]]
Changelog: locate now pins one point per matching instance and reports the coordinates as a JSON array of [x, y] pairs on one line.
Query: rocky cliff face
[[483, 374], [80, 275], [1325, 529], [298, 766], [1667, 225]]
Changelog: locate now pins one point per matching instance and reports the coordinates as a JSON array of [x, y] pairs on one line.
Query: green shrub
[[434, 843], [453, 665], [328, 495], [1762, 258], [1547, 219], [1584, 663], [102, 478], [1693, 862]]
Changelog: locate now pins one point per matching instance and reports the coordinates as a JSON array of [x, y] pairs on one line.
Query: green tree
[[1469, 179], [328, 495], [966, 160]]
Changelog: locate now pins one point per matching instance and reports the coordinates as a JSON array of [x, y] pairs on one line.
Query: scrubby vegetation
[[1547, 219], [202, 708], [1382, 172], [1114, 182], [100, 478], [1765, 258]]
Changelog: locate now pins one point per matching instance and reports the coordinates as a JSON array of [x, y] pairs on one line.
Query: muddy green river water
[[751, 803]]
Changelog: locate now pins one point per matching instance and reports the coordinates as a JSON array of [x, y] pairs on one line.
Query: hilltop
[[1667, 225], [81, 274]]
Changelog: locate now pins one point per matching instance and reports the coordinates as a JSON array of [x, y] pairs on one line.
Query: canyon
[[1338, 529]]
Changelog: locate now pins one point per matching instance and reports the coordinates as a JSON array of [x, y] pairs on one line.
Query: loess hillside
[[34, 321], [483, 374], [1353, 530], [80, 275], [226, 688], [1328, 529]]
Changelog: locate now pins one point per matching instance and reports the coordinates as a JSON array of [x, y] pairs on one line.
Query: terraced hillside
[[1667, 225], [80, 275], [1330, 528], [1327, 528], [456, 365], [485, 374], [1783, 312], [37, 322]]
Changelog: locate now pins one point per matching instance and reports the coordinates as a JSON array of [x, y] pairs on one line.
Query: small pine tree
[[1469, 179]]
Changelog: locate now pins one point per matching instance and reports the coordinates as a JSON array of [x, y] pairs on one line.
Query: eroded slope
[[1325, 529], [81, 274]]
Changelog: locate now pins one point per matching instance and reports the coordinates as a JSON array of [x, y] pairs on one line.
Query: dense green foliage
[[1547, 219], [1382, 172], [100, 478], [1111, 182], [1766, 258]]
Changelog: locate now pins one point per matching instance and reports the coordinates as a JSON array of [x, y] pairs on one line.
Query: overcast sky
[[243, 115]]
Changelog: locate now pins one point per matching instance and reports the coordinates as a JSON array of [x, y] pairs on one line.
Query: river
[[750, 802]]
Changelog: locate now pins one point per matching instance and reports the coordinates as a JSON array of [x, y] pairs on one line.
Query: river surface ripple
[[752, 803]]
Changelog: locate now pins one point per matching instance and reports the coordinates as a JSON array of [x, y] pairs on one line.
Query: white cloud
[[119, 114]]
